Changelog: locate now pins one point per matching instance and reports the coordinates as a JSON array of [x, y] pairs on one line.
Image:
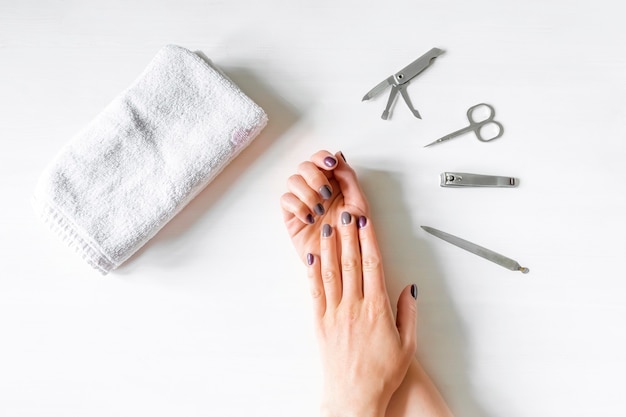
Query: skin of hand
[[416, 394], [323, 188], [365, 352]]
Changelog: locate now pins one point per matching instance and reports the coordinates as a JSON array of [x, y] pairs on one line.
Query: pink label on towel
[[240, 137]]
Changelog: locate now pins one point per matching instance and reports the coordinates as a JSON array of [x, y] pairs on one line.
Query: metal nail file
[[463, 179], [490, 255]]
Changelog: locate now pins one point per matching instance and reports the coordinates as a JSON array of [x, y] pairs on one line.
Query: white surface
[[212, 317]]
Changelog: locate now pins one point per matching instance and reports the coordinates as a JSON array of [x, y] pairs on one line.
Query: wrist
[[417, 392], [373, 410]]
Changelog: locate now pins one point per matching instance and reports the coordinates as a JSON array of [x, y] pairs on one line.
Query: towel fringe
[[61, 226]]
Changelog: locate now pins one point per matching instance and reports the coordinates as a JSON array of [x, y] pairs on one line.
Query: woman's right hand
[[365, 351]]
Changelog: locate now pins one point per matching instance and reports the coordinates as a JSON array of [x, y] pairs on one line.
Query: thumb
[[406, 318], [353, 194]]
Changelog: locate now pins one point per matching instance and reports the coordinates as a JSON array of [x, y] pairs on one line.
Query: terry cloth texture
[[145, 156]]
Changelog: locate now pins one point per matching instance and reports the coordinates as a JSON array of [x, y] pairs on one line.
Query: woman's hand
[[321, 189], [365, 352]]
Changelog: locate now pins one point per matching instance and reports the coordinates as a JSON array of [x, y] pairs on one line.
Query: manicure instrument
[[400, 80], [463, 179], [478, 250], [477, 126]]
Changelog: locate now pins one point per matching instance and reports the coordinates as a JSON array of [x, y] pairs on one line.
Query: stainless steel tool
[[400, 80], [479, 127], [490, 255], [463, 179]]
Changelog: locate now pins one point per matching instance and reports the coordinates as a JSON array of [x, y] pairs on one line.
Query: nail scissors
[[400, 80], [477, 126]]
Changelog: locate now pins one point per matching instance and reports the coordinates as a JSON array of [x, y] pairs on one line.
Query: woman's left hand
[[323, 188]]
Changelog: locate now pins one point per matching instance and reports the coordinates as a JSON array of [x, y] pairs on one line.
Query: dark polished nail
[[310, 219], [362, 221], [330, 162], [326, 230], [346, 218], [310, 258], [319, 209], [325, 192], [413, 290], [343, 156]]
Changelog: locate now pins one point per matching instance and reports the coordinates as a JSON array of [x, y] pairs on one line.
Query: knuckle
[[328, 275], [284, 200], [371, 263], [289, 202], [293, 180], [316, 292], [364, 238], [412, 307], [349, 264], [374, 308], [349, 315], [305, 166]]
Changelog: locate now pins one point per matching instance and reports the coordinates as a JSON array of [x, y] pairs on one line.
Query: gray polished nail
[[319, 209], [326, 192], [414, 291], [326, 230], [310, 219], [346, 218], [310, 258], [330, 162], [362, 221]]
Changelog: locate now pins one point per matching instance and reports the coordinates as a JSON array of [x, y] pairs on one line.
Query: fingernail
[[310, 219], [362, 221], [326, 192], [342, 156], [330, 162], [326, 230], [413, 290], [319, 209], [310, 258], [346, 218]]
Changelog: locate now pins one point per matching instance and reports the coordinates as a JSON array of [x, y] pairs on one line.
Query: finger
[[331, 275], [373, 275], [298, 187], [324, 160], [406, 318], [293, 206], [316, 286], [351, 274], [354, 197], [315, 179]]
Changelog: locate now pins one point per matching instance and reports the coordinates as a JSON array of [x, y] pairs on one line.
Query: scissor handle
[[472, 110], [479, 125], [479, 129]]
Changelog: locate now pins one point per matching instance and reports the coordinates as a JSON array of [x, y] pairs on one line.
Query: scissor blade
[[378, 89], [417, 66], [451, 135], [477, 250]]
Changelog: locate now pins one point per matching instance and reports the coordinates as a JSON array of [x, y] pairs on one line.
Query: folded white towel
[[141, 160]]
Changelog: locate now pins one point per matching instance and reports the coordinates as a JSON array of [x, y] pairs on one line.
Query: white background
[[212, 317]]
